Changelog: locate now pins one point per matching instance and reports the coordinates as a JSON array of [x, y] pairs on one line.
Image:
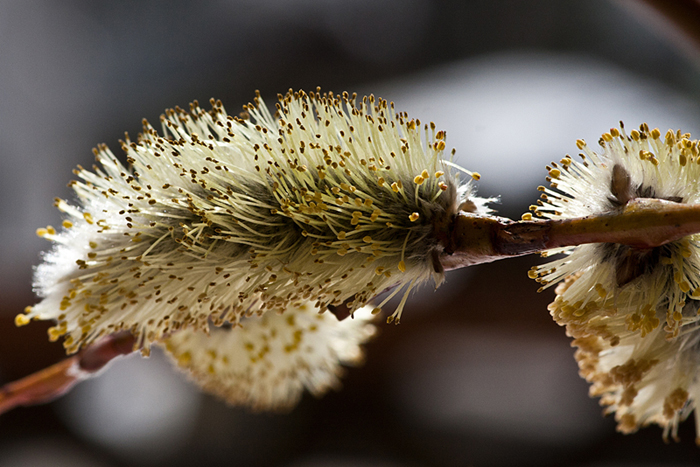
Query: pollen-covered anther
[[22, 320], [674, 402]]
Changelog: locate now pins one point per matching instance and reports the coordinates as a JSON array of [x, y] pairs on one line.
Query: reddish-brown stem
[[54, 381], [641, 223]]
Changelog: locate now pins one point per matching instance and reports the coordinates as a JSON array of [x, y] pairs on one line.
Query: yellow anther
[[418, 180], [526, 217], [22, 320], [580, 143], [601, 290], [367, 239], [414, 217], [395, 187], [184, 359], [555, 173], [41, 232], [476, 175], [670, 137], [67, 224], [54, 333], [88, 218], [439, 174], [402, 266]]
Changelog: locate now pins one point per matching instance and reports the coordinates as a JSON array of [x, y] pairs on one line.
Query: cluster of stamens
[[632, 311], [330, 202]]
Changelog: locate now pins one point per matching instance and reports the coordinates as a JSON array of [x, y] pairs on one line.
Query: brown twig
[[54, 381], [641, 223]]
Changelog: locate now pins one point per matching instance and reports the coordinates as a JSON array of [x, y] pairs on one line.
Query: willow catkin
[[632, 311], [222, 220]]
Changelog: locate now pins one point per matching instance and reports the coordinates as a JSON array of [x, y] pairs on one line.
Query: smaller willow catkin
[[267, 362], [328, 203], [632, 311]]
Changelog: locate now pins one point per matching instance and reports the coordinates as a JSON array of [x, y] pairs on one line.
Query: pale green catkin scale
[[330, 202]]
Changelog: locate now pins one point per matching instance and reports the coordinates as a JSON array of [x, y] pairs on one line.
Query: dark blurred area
[[477, 373]]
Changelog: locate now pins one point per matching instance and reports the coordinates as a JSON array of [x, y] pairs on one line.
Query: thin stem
[[641, 223], [52, 382]]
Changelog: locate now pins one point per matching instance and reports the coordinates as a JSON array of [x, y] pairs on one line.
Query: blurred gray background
[[477, 373]]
